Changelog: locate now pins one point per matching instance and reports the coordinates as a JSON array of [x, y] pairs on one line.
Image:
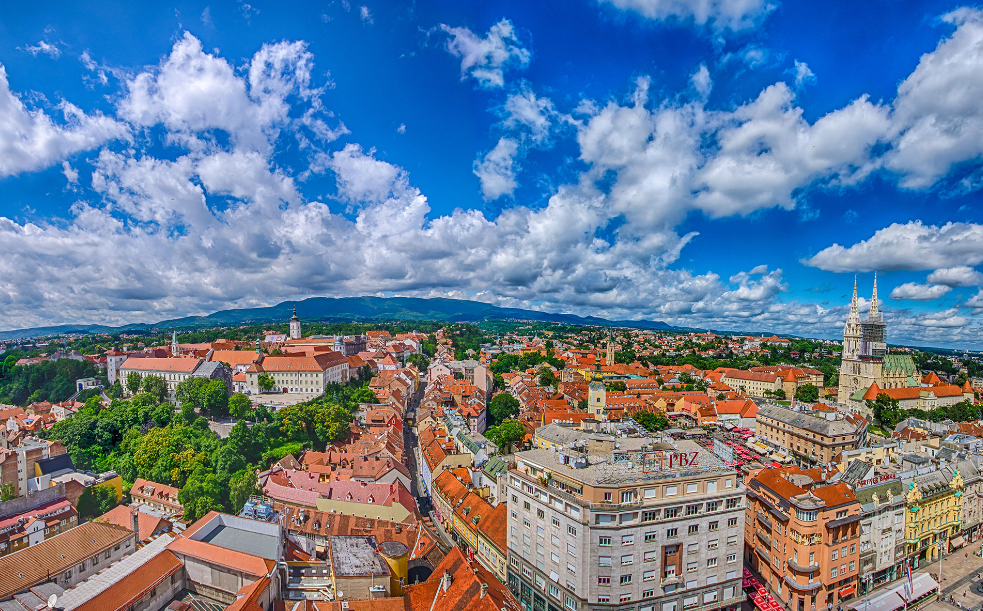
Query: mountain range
[[344, 309]]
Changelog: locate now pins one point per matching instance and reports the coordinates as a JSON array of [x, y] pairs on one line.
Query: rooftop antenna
[[52, 600]]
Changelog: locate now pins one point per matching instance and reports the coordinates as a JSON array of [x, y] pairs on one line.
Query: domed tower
[[295, 326]]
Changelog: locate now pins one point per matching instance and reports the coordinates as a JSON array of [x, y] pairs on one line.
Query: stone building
[[811, 439], [640, 524]]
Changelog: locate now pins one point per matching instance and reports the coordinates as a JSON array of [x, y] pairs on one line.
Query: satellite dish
[[340, 594], [52, 600]]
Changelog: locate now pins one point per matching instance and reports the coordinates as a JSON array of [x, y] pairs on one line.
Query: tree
[[419, 361], [8, 492], [96, 501], [807, 392], [617, 386], [191, 391], [116, 390], [506, 434], [780, 393], [215, 397], [200, 494], [239, 405], [547, 378], [886, 410], [133, 381], [156, 387], [653, 421], [266, 382], [503, 406], [242, 485]]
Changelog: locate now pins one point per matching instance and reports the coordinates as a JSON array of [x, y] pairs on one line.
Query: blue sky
[[726, 164]]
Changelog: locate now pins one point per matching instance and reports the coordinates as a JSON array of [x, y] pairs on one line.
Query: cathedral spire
[[853, 304], [874, 314]]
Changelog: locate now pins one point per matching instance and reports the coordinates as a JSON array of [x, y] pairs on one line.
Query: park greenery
[[502, 407], [144, 437], [652, 421], [889, 413], [51, 381]]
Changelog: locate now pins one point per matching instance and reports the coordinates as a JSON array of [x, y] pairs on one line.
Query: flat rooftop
[[357, 557], [245, 541]]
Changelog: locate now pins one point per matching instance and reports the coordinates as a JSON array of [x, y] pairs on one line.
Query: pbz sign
[[662, 461]]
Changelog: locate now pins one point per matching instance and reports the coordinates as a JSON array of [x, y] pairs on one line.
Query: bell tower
[[295, 326]]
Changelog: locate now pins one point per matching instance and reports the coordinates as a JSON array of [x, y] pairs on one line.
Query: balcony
[[809, 568], [763, 538], [669, 580], [763, 553], [802, 587], [616, 506], [764, 520]]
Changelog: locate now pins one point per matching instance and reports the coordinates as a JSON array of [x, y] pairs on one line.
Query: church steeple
[[854, 312], [875, 314]]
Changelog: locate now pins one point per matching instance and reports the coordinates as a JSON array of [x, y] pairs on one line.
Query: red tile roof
[[129, 590]]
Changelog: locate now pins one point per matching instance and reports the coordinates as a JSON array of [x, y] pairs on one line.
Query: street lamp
[[940, 544], [867, 579]]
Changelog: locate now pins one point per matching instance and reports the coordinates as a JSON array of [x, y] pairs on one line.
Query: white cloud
[[718, 14], [802, 74], [44, 48], [910, 246], [523, 110], [401, 129], [71, 174], [946, 319], [31, 140], [912, 291], [956, 276], [751, 55], [938, 120], [486, 59], [365, 14], [192, 93], [497, 170]]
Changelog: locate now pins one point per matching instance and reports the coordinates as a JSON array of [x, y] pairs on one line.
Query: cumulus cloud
[[912, 291], [719, 15], [938, 120], [194, 93], [497, 169], [31, 139], [945, 319], [487, 58], [909, 246], [534, 116], [365, 14], [956, 276]]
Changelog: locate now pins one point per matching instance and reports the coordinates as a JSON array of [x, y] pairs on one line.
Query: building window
[[604, 541], [672, 532], [670, 491], [732, 503], [731, 522], [731, 558], [691, 488], [625, 579], [603, 581], [603, 598], [555, 592], [648, 575], [607, 497], [604, 561], [713, 543], [572, 530], [627, 539], [648, 516], [692, 510], [650, 556], [556, 522], [627, 559], [694, 529], [803, 515], [711, 562], [690, 567], [649, 537], [625, 598]]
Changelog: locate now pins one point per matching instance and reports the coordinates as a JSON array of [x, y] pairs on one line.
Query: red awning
[[847, 591]]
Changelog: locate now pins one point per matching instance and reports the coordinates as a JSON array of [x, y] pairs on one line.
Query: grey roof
[[96, 584], [207, 369], [357, 557], [245, 541], [855, 471], [946, 454], [821, 426], [602, 470]]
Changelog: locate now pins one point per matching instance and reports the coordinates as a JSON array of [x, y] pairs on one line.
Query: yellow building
[[934, 513]]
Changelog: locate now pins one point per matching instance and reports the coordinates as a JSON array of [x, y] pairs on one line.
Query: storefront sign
[[876, 480]]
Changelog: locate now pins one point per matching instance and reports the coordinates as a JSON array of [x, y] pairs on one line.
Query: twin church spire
[[874, 315]]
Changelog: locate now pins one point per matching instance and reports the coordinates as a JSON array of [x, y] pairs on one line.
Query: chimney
[[484, 590], [445, 581], [135, 521]]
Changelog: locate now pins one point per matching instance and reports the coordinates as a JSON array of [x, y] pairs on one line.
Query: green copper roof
[[899, 363]]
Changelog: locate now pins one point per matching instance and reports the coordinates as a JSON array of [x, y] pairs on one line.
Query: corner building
[[628, 525], [803, 536]]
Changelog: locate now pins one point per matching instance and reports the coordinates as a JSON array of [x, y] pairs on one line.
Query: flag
[[909, 587], [793, 402]]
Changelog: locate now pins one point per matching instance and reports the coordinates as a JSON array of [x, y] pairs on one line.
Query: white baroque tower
[[295, 326]]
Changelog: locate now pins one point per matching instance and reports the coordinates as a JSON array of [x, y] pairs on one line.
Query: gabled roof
[[464, 591], [129, 590]]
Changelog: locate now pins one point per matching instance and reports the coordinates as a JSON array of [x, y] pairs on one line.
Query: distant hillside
[[328, 309]]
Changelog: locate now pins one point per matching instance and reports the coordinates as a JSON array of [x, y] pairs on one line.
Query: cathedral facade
[[865, 359]]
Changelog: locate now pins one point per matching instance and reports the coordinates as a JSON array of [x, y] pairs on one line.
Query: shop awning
[[895, 598], [847, 591], [956, 542]]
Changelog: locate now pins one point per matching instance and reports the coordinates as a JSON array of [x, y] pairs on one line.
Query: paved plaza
[[961, 571]]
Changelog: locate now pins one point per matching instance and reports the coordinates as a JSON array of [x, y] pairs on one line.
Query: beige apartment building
[[626, 524], [811, 439]]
